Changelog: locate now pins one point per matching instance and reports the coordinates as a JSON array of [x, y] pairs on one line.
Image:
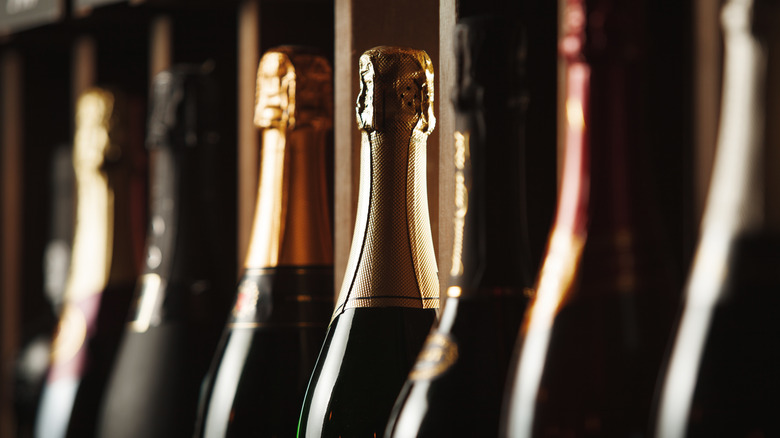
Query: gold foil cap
[[294, 87], [392, 261], [294, 108], [395, 83], [95, 145], [95, 141]]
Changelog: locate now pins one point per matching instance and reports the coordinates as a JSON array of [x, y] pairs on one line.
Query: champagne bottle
[[32, 362], [721, 378], [58, 249], [457, 383], [180, 302], [596, 330], [101, 275], [390, 293], [285, 297]]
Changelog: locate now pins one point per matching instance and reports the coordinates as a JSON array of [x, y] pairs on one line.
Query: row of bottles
[[610, 345], [602, 341]]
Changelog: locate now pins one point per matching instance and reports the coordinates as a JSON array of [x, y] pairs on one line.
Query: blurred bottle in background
[[597, 328], [721, 378], [457, 384], [33, 359], [102, 271], [181, 300], [285, 296]]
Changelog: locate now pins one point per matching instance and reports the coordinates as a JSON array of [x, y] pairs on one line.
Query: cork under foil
[[392, 262]]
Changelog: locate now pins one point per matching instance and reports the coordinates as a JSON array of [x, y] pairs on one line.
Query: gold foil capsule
[[392, 262]]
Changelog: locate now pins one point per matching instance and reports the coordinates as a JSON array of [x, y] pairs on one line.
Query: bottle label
[[246, 308], [438, 355]]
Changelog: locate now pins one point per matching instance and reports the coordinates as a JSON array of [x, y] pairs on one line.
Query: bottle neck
[[392, 262], [615, 56], [624, 246], [490, 251], [616, 203], [292, 218], [102, 245], [164, 207], [490, 245], [93, 237], [734, 200], [569, 231]]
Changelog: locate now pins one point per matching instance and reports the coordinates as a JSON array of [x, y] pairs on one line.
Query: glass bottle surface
[[596, 330], [101, 277], [390, 293], [180, 301], [721, 377], [285, 296], [457, 384], [31, 363]]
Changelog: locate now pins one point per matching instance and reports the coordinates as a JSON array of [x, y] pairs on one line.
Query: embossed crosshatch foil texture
[[395, 114]]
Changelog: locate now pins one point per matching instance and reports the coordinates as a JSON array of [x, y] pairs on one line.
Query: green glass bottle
[[457, 384], [390, 293], [285, 296]]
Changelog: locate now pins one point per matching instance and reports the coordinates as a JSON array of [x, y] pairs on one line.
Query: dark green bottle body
[[267, 352], [457, 384], [370, 351]]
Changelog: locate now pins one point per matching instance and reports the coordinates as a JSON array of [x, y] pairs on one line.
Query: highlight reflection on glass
[[567, 239], [294, 113], [226, 384], [729, 211], [90, 262]]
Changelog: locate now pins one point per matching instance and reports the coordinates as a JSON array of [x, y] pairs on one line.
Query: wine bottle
[[721, 378], [102, 272], [180, 303], [32, 362], [596, 329], [390, 293], [285, 297], [58, 249], [456, 386]]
